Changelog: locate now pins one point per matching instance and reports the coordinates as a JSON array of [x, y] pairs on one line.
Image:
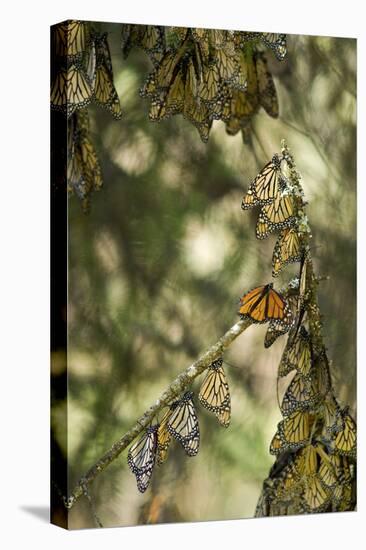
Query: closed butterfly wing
[[227, 66], [266, 87], [321, 373], [330, 470], [105, 93], [345, 441], [278, 444], [276, 42], [297, 354], [141, 457], [214, 394], [71, 90], [287, 250], [175, 96], [183, 425], [274, 331], [210, 86], [152, 41], [295, 429], [70, 38], [317, 496], [277, 215], [300, 395], [164, 436], [265, 187], [220, 108]]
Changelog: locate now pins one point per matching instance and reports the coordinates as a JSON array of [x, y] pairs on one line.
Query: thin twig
[[91, 504], [182, 382]]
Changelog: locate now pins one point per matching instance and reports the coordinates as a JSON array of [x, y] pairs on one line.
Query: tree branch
[[183, 381]]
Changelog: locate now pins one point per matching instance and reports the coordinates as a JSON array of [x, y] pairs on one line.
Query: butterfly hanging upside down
[[183, 425], [214, 393], [141, 457]]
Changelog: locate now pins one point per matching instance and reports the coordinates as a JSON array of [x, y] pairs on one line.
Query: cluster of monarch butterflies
[[316, 436], [207, 74], [81, 74], [204, 74], [309, 481], [180, 422]]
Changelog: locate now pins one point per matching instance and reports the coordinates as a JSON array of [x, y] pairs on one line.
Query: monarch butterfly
[[300, 395], [191, 79], [84, 160], [265, 187], [200, 35], [295, 429], [201, 39], [70, 38], [345, 441], [218, 38], [220, 109], [83, 169], [298, 431], [267, 94], [322, 373], [297, 355], [175, 97], [330, 470], [263, 304], [150, 38], [317, 496], [277, 444], [168, 67], [277, 215], [209, 88], [164, 436], [331, 413], [183, 424], [241, 81], [227, 66], [178, 34], [277, 329], [291, 479], [141, 457], [274, 331], [104, 91], [287, 250], [238, 113], [71, 90], [276, 42], [197, 113], [214, 394], [343, 496]]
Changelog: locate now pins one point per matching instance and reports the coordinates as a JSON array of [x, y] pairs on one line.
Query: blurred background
[[158, 265]]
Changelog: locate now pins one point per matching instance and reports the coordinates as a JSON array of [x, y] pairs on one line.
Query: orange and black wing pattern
[[263, 304], [265, 187]]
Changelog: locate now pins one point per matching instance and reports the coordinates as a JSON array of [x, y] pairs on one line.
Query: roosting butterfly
[[263, 304], [214, 394], [141, 457], [183, 424]]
